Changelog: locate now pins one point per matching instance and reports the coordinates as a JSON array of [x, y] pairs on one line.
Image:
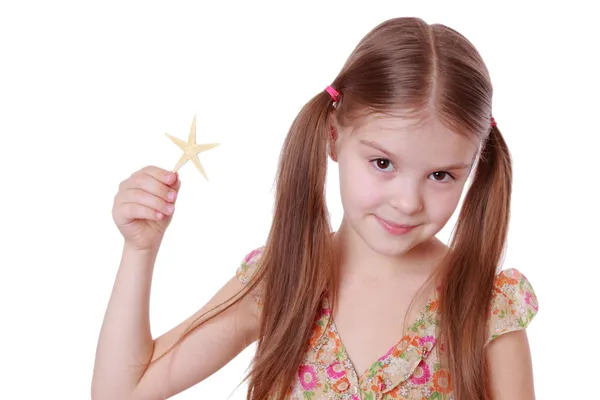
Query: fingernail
[[168, 177], [170, 208], [171, 195]]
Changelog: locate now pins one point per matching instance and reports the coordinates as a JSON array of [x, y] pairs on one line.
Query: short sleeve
[[246, 270], [514, 304]]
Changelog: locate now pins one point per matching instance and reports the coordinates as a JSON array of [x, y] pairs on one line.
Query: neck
[[358, 260]]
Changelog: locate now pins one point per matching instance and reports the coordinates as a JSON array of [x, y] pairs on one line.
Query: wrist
[[132, 249]]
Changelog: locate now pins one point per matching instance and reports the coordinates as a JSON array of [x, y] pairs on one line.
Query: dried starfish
[[191, 149]]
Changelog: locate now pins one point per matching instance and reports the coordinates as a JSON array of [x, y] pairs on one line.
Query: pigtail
[[297, 260], [476, 251]]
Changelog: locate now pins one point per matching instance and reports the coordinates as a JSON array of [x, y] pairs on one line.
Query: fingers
[[156, 181], [131, 211], [149, 193], [160, 174], [144, 198]]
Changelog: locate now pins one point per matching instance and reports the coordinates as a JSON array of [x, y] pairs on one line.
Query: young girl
[[380, 308]]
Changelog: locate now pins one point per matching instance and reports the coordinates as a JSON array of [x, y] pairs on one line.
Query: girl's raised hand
[[144, 205]]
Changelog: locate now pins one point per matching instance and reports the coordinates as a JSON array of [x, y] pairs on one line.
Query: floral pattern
[[411, 369]]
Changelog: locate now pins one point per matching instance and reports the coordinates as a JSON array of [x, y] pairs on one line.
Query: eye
[[437, 174], [382, 164]]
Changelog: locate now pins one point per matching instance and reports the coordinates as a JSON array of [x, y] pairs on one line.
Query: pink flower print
[[336, 370], [427, 343], [323, 309], [529, 299], [386, 355], [308, 377], [422, 374], [250, 257]]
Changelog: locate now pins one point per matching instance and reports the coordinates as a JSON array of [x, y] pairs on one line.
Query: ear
[[333, 135]]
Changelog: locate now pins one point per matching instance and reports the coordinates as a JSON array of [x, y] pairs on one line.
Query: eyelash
[[385, 159]]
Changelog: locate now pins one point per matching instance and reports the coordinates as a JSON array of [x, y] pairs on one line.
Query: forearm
[[125, 344]]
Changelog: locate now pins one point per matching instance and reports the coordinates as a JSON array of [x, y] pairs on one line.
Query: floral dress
[[411, 369]]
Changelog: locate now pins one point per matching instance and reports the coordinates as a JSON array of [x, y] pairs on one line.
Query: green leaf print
[[437, 367], [340, 353], [374, 368], [308, 395], [502, 314], [369, 396], [435, 396]]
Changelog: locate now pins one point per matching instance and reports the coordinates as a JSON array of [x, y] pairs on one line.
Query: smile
[[393, 228]]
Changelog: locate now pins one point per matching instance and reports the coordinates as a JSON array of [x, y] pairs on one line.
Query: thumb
[[177, 184]]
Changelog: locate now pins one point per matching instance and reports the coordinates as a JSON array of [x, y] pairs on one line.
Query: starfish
[[191, 149]]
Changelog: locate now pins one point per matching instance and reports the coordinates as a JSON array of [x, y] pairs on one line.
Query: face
[[392, 173]]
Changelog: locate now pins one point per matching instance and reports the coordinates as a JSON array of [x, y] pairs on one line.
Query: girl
[[380, 308]]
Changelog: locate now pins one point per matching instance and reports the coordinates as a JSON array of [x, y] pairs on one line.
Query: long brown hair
[[403, 67]]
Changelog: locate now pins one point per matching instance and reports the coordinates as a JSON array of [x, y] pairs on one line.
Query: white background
[[88, 89]]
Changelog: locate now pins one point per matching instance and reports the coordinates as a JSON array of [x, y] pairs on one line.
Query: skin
[[406, 191], [393, 169]]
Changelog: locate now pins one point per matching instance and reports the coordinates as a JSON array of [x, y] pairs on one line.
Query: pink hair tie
[[335, 95], [492, 121]]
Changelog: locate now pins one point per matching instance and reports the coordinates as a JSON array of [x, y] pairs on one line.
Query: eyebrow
[[390, 155]]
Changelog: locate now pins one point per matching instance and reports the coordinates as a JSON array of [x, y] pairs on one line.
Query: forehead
[[429, 141]]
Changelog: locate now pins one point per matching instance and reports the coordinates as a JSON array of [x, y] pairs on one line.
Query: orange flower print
[[399, 392], [442, 381], [341, 385], [394, 393], [407, 341], [378, 385], [433, 306], [507, 278], [338, 344], [316, 335]]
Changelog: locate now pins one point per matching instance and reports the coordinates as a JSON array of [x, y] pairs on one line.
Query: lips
[[395, 225], [393, 228]]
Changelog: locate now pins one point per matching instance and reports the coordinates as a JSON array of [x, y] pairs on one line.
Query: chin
[[389, 245], [398, 247]]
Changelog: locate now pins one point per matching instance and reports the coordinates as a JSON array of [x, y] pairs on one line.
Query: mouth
[[394, 228], [395, 225]]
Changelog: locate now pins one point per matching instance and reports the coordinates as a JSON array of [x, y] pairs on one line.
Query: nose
[[405, 196]]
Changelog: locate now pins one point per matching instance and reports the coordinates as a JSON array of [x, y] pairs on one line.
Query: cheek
[[442, 205], [358, 187]]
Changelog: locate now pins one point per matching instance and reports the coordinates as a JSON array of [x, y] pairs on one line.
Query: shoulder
[[246, 269], [248, 264], [514, 303]]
